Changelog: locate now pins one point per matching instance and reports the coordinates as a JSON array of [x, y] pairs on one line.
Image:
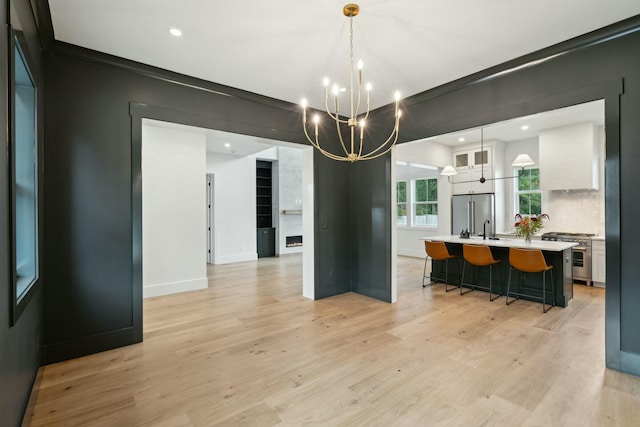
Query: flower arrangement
[[526, 225]]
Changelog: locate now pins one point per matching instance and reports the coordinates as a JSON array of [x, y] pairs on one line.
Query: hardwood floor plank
[[250, 350]]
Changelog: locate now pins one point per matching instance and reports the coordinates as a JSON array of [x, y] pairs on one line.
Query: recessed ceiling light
[[460, 139], [175, 32], [226, 144], [525, 127]]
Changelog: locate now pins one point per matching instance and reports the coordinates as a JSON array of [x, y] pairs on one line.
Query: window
[[24, 180], [528, 195], [401, 201], [425, 202]]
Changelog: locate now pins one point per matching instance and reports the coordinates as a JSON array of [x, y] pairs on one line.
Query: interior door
[[210, 228]]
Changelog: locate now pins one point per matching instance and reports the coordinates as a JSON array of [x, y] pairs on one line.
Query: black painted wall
[[20, 345]]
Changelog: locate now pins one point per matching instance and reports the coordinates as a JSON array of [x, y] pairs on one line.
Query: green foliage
[[529, 203], [401, 191], [427, 190]]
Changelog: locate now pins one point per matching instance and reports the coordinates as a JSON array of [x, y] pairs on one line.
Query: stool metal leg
[[447, 272], [544, 293], [553, 292], [507, 302], [491, 285], [464, 264], [424, 271]]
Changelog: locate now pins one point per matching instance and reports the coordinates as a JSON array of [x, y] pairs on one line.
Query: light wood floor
[[251, 351]]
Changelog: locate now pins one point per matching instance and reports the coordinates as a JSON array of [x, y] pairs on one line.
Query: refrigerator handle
[[472, 214]]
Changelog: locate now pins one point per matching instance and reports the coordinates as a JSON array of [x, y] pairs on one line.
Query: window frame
[[415, 202], [405, 203], [517, 192], [20, 300]]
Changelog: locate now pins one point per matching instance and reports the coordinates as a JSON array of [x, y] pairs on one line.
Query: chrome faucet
[[484, 229]]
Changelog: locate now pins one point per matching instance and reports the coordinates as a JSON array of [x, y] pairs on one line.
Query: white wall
[[234, 207], [289, 197], [408, 241], [308, 236], [173, 211]]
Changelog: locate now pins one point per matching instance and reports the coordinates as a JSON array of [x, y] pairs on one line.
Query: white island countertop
[[545, 245]]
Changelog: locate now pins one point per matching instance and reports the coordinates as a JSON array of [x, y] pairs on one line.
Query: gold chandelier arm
[[324, 152], [344, 147], [395, 133], [359, 101], [361, 142], [335, 117], [369, 155]]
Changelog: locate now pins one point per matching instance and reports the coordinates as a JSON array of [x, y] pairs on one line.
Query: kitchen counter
[[505, 243], [557, 254]]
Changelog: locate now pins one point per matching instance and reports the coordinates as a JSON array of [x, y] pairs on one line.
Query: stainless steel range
[[581, 253]]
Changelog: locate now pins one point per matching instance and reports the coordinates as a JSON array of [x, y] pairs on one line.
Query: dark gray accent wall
[[333, 238], [370, 225], [20, 344]]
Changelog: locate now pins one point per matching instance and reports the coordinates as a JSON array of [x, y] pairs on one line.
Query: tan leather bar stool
[[479, 256], [437, 251], [530, 261]]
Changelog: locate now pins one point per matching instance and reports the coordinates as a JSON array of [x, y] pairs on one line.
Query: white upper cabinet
[[471, 165], [569, 158]]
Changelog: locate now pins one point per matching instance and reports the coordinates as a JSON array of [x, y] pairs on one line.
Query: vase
[[527, 239]]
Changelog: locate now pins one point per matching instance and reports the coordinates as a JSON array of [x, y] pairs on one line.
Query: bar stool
[[478, 256], [437, 251], [530, 261]]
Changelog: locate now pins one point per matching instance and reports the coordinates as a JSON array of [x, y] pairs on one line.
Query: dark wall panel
[[20, 345], [333, 269], [371, 227]]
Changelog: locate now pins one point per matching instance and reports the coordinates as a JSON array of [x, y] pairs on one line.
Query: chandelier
[[352, 150]]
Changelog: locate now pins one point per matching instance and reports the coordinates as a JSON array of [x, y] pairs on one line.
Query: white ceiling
[[232, 144], [512, 130], [284, 48]]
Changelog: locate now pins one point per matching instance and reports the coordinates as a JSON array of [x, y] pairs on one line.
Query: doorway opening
[[177, 207]]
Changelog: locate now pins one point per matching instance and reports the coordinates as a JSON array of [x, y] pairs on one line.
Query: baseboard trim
[[77, 347], [408, 252], [230, 259], [160, 289]]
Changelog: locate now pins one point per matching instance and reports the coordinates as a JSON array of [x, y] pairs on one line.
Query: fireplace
[[293, 241]]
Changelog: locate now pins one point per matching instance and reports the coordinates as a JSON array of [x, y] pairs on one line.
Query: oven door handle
[[580, 248]]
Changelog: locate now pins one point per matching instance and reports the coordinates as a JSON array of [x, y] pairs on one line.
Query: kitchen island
[[557, 254]]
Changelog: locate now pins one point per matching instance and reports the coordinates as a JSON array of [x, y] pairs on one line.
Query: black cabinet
[[266, 235], [266, 242]]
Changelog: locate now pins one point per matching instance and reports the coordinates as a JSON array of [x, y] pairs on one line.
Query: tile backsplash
[[575, 211]]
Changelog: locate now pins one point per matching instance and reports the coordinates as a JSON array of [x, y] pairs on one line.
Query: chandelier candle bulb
[[304, 110]]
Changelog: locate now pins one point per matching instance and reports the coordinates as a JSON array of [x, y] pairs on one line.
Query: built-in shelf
[[265, 233]]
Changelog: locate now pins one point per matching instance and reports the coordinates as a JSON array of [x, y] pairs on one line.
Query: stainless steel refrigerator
[[470, 211]]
